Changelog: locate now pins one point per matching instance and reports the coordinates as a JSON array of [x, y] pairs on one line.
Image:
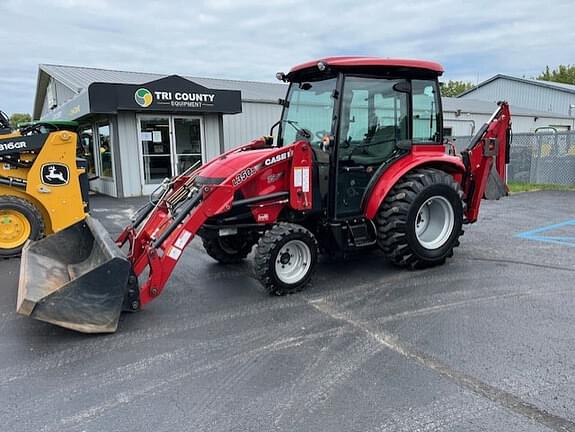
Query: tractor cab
[[360, 115]]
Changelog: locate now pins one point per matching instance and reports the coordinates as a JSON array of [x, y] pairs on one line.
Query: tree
[[18, 118], [563, 74], [454, 88]]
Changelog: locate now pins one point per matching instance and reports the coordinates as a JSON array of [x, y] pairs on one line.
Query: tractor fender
[[430, 158]]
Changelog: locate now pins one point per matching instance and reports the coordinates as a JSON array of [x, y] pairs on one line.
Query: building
[[138, 128], [536, 95], [463, 116]]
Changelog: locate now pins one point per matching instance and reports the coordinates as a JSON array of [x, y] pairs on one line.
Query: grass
[[530, 187]]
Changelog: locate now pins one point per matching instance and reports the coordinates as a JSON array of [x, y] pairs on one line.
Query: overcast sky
[[249, 39]]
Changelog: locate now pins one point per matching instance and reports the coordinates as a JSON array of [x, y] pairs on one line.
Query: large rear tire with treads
[[420, 221]]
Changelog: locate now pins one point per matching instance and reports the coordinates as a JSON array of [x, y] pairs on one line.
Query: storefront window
[[86, 149], [104, 140]]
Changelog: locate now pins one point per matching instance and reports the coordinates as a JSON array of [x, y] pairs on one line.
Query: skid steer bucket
[[76, 278]]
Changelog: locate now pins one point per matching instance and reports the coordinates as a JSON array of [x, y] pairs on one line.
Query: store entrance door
[[168, 146]]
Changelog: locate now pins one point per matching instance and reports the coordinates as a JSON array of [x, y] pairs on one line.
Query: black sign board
[[171, 94]]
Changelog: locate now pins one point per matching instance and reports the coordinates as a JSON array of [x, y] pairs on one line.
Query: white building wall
[[255, 120], [129, 154], [211, 136], [524, 95]]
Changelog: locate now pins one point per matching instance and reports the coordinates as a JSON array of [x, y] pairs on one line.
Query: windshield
[[309, 113]]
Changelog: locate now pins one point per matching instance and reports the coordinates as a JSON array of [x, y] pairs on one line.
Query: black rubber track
[[242, 247], [32, 214], [395, 219], [266, 253]]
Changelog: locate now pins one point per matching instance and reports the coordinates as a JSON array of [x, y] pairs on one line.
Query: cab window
[[425, 99], [373, 120]]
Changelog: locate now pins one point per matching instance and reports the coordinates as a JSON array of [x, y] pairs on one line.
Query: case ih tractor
[[358, 161]]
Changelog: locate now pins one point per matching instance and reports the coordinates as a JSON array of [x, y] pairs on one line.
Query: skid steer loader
[[43, 185], [359, 161]]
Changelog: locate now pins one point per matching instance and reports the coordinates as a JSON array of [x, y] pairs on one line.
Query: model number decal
[[13, 145], [243, 176]]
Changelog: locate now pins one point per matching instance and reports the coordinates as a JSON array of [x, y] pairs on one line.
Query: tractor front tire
[[20, 221], [420, 221], [285, 258], [228, 249]]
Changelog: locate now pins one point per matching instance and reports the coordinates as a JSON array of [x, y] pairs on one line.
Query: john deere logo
[[55, 174], [143, 97]]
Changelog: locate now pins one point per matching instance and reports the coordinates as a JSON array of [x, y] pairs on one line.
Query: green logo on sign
[[143, 97]]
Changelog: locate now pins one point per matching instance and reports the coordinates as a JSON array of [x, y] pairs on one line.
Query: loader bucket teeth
[[76, 279]]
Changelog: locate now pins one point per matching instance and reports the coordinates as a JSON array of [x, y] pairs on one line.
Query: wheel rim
[[293, 262], [15, 229], [434, 222]]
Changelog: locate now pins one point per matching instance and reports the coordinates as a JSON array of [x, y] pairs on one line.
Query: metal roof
[[569, 88], [79, 78], [474, 106]]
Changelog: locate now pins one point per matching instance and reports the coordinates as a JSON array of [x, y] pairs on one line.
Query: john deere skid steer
[[43, 185]]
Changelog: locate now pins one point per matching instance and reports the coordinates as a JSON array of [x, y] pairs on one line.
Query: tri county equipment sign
[[144, 98], [172, 93]]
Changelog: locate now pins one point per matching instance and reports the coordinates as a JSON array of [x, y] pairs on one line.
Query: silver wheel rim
[[293, 262], [434, 222]]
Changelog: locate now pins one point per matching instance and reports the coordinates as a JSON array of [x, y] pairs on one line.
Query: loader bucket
[[76, 278]]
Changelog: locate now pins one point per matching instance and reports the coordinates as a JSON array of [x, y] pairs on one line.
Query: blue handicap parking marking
[[547, 234]]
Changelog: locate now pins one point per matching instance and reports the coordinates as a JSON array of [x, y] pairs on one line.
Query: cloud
[[252, 39]]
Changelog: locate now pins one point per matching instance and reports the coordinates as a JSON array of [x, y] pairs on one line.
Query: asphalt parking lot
[[484, 343]]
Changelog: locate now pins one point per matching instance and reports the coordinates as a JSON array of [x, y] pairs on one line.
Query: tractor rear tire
[[20, 221], [420, 221], [228, 249], [285, 258]]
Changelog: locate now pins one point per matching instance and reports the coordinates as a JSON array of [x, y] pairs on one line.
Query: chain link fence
[[540, 158]]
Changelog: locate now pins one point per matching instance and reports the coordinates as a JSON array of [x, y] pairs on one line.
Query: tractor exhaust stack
[[76, 279]]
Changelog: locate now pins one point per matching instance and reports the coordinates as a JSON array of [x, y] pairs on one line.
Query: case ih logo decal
[[55, 174], [278, 158], [143, 97], [12, 145]]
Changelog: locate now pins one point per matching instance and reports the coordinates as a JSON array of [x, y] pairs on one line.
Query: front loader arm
[[486, 160], [158, 236]]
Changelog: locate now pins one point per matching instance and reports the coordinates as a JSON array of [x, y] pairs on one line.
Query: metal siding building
[[126, 167], [537, 95], [464, 116]]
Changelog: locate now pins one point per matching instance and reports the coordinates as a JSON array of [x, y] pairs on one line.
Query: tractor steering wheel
[[4, 120]]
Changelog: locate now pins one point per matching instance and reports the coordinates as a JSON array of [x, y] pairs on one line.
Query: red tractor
[[359, 160]]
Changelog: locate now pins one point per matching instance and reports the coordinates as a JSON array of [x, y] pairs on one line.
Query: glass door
[[156, 149], [188, 139]]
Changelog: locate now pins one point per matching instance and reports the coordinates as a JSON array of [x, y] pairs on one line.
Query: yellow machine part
[[61, 206]]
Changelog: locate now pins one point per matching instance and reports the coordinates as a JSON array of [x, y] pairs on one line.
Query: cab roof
[[368, 62]]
